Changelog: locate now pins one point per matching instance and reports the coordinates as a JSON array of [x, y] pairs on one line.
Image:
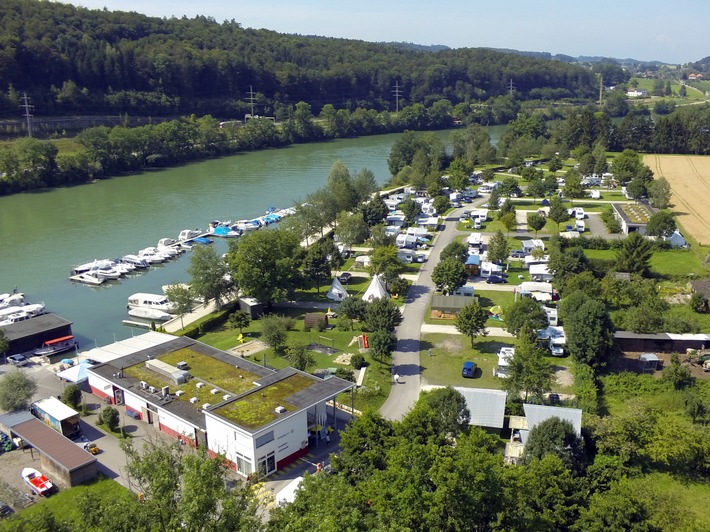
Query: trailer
[[55, 414]]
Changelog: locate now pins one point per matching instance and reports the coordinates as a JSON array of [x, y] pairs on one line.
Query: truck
[[55, 414]]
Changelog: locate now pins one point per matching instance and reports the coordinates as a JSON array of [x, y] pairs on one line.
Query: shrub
[[610, 222], [72, 396], [109, 417], [698, 302], [345, 374], [357, 361]]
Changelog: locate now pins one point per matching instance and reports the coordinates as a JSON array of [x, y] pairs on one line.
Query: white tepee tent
[[376, 290], [337, 292]]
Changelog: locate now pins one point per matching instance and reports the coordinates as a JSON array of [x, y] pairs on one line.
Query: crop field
[[689, 177]]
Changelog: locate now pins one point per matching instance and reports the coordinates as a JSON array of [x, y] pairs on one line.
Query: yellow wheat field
[[689, 176]]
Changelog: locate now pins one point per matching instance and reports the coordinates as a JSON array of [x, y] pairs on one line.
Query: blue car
[[469, 368]]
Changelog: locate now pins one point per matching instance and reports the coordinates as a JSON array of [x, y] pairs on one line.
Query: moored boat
[[58, 345], [188, 234], [148, 313], [88, 278], [135, 261], [153, 301], [15, 317]]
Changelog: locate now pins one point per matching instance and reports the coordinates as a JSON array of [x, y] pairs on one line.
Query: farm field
[[689, 177]]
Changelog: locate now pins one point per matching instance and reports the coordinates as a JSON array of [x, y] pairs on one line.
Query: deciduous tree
[[661, 223], [16, 390], [208, 274], [382, 315], [181, 298], [536, 222], [498, 249], [525, 311], [450, 274], [557, 437], [471, 321]]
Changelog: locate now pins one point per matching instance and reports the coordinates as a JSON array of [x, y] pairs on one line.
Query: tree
[[567, 263], [364, 184], [622, 507], [316, 266], [536, 189], [208, 274], [352, 228], [382, 315], [558, 211], [698, 302], [411, 209], [181, 299], [450, 415], [557, 437], [590, 334], [661, 223], [385, 261], [678, 375], [16, 390], [375, 211], [450, 274], [182, 489], [441, 204], [239, 320], [636, 189], [455, 250], [471, 321], [524, 312], [72, 396], [299, 356], [573, 185], [659, 193], [109, 417], [381, 343], [266, 265], [498, 249], [509, 221], [354, 308], [400, 286], [274, 331], [536, 222], [494, 199], [634, 255], [528, 372]]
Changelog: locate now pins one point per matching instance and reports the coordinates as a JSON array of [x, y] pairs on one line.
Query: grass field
[[689, 177], [670, 264]]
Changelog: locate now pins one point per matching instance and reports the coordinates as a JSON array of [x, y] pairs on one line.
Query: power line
[[251, 99], [27, 107]]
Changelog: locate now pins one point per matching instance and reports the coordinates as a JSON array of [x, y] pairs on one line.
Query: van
[[477, 223], [580, 226]]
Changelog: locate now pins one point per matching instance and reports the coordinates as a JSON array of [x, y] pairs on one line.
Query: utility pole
[[511, 87], [251, 99], [601, 88], [27, 107], [397, 93]]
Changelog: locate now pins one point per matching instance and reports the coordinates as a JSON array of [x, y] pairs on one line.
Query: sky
[[647, 30]]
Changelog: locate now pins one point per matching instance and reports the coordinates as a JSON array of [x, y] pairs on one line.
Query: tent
[[337, 292], [376, 290], [76, 373]]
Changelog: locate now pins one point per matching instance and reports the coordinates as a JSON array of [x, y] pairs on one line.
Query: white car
[[579, 214], [18, 360]]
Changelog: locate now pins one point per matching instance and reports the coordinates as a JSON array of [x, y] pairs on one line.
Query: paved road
[[405, 358]]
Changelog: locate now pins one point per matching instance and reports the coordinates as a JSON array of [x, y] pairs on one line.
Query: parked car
[[469, 368], [18, 360], [495, 279], [420, 258], [345, 277], [518, 254]]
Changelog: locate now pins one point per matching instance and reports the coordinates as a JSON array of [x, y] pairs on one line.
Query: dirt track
[[689, 177]]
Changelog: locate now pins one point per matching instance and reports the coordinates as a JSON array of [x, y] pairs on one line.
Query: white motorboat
[[12, 300], [148, 313], [152, 301], [15, 317], [152, 256], [169, 251], [58, 345], [135, 261], [88, 278], [105, 270], [187, 246], [187, 234], [33, 309]]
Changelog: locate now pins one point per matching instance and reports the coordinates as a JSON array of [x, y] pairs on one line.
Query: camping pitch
[[376, 290]]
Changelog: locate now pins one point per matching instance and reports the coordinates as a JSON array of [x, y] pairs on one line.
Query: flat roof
[[236, 389], [36, 325], [59, 448], [634, 213]]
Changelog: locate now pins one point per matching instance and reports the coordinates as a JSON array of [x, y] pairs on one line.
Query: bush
[[345, 374], [698, 302], [610, 222], [72, 396], [109, 417], [357, 361]]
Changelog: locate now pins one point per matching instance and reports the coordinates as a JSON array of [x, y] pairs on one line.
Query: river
[[44, 234]]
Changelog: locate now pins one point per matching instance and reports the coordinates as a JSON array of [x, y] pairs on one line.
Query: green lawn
[[448, 353], [357, 285], [670, 263], [64, 505], [685, 312]]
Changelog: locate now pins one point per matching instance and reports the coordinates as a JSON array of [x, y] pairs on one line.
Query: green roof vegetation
[[214, 373], [637, 213], [259, 408]]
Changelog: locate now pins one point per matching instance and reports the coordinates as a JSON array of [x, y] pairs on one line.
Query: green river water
[[44, 234]]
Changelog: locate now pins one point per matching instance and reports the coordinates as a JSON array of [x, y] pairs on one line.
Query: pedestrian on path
[[396, 378], [327, 439]]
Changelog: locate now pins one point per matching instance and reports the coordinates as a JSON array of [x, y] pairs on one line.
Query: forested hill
[[75, 60]]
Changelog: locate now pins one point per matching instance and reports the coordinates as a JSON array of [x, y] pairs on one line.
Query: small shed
[[362, 262], [449, 306], [649, 362], [252, 306], [315, 320], [486, 407]]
